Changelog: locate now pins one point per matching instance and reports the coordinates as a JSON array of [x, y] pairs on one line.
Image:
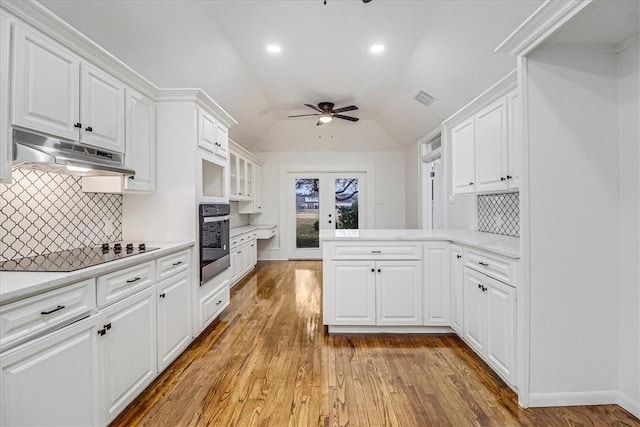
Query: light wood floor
[[269, 362]]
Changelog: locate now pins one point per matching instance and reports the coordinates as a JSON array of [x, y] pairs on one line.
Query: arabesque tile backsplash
[[43, 212]]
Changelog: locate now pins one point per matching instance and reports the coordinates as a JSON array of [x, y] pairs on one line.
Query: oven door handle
[[215, 218]]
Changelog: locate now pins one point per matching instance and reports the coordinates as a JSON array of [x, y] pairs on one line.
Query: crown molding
[[199, 97], [234, 146], [550, 16], [505, 85], [43, 20]]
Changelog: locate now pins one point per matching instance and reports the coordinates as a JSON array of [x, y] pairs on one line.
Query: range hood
[[47, 154]]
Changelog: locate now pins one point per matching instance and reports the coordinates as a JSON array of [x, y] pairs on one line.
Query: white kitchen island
[[425, 281]]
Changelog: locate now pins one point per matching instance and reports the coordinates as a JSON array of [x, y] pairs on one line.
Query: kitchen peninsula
[[425, 281]]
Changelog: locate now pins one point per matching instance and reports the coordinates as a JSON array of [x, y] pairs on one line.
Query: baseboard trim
[[606, 397], [336, 329]]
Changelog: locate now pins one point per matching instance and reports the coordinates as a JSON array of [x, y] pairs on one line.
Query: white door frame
[[285, 196]]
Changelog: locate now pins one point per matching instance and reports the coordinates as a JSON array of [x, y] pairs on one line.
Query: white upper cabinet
[[206, 130], [5, 85], [514, 117], [463, 148], [140, 141], [222, 140], [58, 94], [46, 85], [492, 147], [101, 109]]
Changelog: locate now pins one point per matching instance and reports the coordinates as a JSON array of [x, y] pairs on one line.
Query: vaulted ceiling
[[445, 48]]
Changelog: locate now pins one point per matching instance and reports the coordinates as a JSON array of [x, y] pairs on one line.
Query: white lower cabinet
[[456, 285], [243, 254], [374, 293], [212, 304], [127, 345], [54, 380], [489, 321], [436, 284], [173, 318]]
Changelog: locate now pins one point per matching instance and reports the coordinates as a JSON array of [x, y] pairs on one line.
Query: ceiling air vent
[[424, 98]]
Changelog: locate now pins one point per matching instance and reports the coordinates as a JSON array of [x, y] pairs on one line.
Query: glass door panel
[[307, 223], [346, 203]]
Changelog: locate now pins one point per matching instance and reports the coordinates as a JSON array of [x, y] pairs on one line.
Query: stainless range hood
[[37, 152]]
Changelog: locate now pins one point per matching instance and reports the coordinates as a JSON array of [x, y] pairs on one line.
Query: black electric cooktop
[[75, 259]]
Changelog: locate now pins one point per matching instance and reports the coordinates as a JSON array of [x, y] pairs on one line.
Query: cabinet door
[[463, 157], [46, 87], [253, 253], [351, 293], [53, 380], [501, 320], [475, 310], [140, 141], [128, 349], [436, 284], [491, 147], [235, 259], [5, 90], [233, 175], [398, 292], [457, 286], [222, 140], [174, 317], [206, 130], [515, 138], [102, 106]]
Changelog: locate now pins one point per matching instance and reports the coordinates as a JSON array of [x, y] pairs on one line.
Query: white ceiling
[[442, 47]]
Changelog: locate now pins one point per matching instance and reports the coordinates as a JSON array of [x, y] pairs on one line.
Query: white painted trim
[[550, 16], [46, 22], [523, 340], [337, 329], [631, 41], [199, 97], [502, 87], [580, 47], [604, 397], [628, 404]]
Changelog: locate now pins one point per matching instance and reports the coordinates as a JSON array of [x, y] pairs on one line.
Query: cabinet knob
[[509, 177], [131, 177], [219, 302], [373, 270], [329, 221], [77, 125], [101, 332], [502, 178], [162, 295], [89, 129], [107, 326], [458, 256], [471, 183], [379, 271], [479, 286], [484, 264], [53, 310]]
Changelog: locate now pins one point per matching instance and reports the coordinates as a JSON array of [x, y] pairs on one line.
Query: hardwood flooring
[[269, 362]]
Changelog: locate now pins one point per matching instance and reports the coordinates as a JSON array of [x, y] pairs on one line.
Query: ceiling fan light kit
[[326, 113]]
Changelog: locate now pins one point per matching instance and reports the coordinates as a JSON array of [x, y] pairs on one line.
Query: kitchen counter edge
[[16, 285]]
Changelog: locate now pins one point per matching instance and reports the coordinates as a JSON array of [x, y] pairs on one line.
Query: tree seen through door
[[308, 208]]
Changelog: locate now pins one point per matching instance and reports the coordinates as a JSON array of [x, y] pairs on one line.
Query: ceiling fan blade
[[314, 108], [304, 115], [351, 119], [343, 109]]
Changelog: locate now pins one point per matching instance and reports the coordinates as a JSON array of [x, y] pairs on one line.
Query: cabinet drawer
[[22, 320], [241, 239], [171, 264], [119, 284], [495, 266], [373, 250], [211, 305]]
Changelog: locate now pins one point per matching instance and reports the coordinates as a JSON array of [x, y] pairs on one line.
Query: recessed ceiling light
[[376, 48], [274, 48]]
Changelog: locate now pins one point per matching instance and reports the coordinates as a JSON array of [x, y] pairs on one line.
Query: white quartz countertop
[[236, 231], [496, 243], [19, 284]]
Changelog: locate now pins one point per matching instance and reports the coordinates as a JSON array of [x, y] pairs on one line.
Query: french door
[[323, 201]]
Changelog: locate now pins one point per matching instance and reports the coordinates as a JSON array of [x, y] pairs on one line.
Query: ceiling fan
[[327, 113]]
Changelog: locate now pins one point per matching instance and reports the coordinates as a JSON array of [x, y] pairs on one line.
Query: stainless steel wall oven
[[214, 240]]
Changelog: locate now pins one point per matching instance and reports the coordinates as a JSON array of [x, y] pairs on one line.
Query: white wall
[[388, 181], [462, 212], [629, 122], [574, 226], [412, 164]]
